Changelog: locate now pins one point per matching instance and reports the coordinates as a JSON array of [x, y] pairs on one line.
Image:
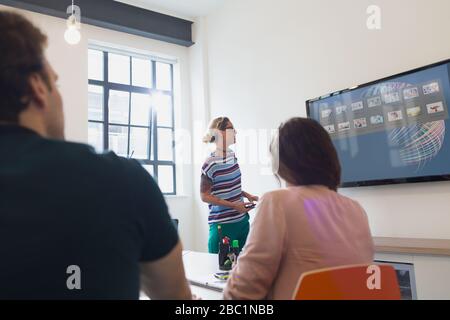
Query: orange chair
[[356, 282]]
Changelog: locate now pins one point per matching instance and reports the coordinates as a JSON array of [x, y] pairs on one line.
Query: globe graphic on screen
[[417, 143]]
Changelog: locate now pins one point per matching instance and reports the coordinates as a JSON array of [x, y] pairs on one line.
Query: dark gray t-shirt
[[62, 205]]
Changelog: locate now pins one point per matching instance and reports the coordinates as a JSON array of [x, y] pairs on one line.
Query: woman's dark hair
[[21, 54], [306, 154]]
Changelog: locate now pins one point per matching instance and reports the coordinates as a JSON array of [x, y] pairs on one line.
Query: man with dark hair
[[73, 224]]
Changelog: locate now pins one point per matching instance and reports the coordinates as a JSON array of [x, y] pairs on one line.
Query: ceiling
[[186, 9]]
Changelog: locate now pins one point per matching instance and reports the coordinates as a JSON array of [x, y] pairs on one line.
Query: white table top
[[200, 268]]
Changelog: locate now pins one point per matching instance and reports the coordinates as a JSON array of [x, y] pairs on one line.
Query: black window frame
[[153, 125]]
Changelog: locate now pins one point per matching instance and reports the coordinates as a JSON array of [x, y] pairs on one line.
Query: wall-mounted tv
[[392, 130]]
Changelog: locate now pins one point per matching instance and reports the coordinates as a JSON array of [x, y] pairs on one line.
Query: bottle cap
[[235, 244]]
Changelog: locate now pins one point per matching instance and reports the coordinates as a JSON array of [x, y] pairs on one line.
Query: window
[[130, 108]]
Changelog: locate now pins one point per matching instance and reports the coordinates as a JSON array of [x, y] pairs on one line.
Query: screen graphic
[[392, 130]]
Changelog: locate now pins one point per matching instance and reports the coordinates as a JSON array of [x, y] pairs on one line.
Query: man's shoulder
[[82, 157]]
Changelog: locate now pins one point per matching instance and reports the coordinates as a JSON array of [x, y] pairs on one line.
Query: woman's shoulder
[[211, 159], [303, 193], [279, 195], [283, 193]]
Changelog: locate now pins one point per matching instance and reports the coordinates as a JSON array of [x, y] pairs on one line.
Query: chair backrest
[[356, 282]]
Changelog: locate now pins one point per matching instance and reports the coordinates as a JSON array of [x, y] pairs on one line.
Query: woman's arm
[[205, 193], [165, 278]]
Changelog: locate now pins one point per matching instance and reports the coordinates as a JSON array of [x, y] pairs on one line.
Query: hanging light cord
[[73, 11]]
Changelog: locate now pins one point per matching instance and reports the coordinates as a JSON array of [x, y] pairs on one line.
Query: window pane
[[95, 136], [150, 169], [163, 76], [139, 143], [119, 106], [163, 105], [165, 179], [119, 68], [142, 73], [95, 65], [95, 103], [140, 109], [118, 140], [152, 151], [165, 142]]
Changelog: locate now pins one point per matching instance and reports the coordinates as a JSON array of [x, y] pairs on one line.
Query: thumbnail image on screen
[[391, 130]]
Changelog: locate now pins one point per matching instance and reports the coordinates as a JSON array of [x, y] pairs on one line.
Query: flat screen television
[[392, 130]]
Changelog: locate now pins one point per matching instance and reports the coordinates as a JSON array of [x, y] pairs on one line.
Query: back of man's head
[[29, 94], [21, 54]]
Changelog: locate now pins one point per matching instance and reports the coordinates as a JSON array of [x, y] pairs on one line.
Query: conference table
[[200, 268]]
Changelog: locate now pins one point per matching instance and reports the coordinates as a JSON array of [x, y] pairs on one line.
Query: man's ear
[[39, 90]]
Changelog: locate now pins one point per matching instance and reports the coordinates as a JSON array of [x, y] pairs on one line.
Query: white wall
[[267, 57], [198, 61], [72, 66]]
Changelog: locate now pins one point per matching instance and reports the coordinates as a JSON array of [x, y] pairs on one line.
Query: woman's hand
[[252, 198], [243, 207]]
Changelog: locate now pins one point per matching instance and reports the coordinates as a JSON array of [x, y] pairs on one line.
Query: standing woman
[[221, 187]]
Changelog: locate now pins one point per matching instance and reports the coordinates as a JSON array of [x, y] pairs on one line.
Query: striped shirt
[[225, 175]]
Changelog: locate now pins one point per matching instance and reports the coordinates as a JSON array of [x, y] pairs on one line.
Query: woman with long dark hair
[[305, 226]]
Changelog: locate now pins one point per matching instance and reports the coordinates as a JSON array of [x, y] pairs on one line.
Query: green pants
[[234, 231]]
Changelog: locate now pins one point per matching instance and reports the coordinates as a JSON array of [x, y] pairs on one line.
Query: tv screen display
[[392, 130]]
